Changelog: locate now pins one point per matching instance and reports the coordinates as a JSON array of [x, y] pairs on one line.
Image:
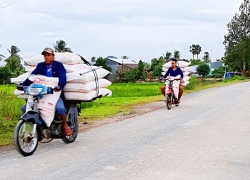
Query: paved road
[[206, 137]]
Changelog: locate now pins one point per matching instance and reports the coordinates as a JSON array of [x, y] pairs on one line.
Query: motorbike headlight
[[33, 91]]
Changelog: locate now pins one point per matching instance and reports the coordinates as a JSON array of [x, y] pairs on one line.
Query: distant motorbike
[[172, 91], [31, 128]]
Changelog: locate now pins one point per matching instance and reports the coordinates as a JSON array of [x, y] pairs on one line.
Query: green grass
[[10, 111]]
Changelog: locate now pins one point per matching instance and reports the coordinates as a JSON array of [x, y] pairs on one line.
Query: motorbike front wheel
[[169, 100], [25, 142]]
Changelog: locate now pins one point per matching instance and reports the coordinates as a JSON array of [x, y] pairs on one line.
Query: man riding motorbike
[[52, 68], [173, 71]]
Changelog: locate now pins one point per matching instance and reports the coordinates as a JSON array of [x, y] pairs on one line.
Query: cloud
[[140, 29]]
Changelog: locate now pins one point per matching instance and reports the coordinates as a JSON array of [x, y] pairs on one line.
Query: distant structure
[[212, 65], [118, 65]]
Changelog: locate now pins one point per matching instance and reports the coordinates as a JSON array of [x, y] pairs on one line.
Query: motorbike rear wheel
[[169, 99], [25, 143], [72, 122]]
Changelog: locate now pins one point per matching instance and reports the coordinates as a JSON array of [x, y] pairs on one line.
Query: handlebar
[[37, 89]]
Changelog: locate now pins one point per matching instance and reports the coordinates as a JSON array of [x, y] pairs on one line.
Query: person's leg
[[180, 92], [60, 108], [163, 89], [24, 108]]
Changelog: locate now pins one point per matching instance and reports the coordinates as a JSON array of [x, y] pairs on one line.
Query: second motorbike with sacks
[[172, 91]]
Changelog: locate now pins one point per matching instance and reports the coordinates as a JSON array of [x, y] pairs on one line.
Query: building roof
[[122, 61], [216, 64]]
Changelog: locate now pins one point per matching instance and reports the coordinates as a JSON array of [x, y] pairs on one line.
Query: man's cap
[[48, 50]]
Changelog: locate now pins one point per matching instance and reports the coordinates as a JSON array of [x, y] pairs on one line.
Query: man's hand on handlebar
[[20, 87], [57, 88]]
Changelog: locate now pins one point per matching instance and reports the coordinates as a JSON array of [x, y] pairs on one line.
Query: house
[[117, 64], [212, 65], [215, 65]]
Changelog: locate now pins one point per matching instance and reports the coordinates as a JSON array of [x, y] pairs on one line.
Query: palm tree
[[177, 54], [198, 50], [14, 50], [14, 61], [167, 56], [193, 49], [124, 57], [93, 59], [206, 56], [60, 46]]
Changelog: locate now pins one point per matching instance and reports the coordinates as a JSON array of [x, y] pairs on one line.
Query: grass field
[[123, 98]]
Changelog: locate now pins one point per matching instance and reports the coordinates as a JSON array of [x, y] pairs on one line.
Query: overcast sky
[[139, 29]]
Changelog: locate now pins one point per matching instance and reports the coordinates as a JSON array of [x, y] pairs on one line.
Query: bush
[[193, 83], [235, 78]]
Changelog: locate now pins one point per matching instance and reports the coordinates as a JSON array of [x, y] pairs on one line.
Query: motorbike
[[172, 91], [32, 128]]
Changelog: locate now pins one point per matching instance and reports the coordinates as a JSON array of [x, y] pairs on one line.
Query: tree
[[195, 50], [177, 54], [195, 62], [192, 50], [124, 57], [141, 74], [60, 46], [156, 66], [93, 59], [14, 62], [218, 72], [5, 75], [198, 50], [102, 62], [203, 70], [206, 57], [237, 41], [167, 56]]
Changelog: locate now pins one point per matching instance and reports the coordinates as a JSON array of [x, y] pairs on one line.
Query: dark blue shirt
[[174, 73], [57, 70]]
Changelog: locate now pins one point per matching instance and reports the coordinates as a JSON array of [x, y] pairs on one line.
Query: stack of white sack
[[84, 82], [184, 67]]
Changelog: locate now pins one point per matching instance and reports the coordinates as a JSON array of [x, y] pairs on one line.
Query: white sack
[[186, 78], [44, 80], [65, 58], [20, 94], [184, 83], [87, 96], [47, 106], [180, 64], [176, 85], [86, 87], [29, 68], [75, 67], [20, 78], [68, 68], [86, 75]]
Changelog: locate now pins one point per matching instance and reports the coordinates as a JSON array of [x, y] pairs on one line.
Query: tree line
[[14, 64]]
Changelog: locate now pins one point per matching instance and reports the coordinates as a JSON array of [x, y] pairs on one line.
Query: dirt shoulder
[[135, 111]]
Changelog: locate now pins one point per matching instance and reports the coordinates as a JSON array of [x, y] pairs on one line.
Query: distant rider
[[52, 68], [173, 71]]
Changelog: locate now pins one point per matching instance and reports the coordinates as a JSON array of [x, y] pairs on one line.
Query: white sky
[[139, 29]]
